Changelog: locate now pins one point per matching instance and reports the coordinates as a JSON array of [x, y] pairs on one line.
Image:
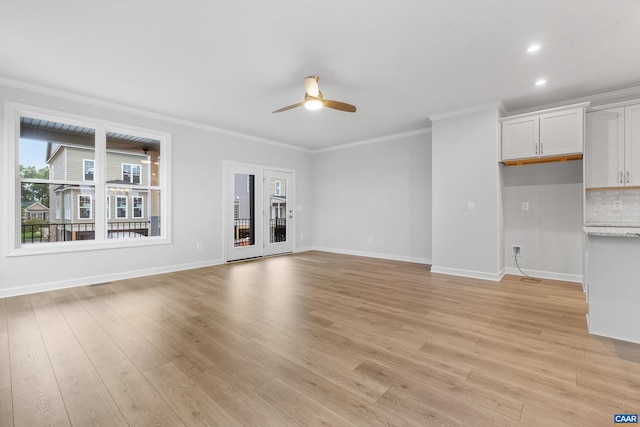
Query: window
[[126, 172], [67, 206], [131, 173], [136, 207], [84, 207], [277, 188], [58, 206], [55, 158], [121, 207], [136, 172], [87, 169]]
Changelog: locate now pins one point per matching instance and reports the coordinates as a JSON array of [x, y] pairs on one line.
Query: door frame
[[227, 204]]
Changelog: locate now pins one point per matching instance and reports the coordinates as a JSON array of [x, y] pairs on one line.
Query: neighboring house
[[35, 210], [73, 206], [243, 223]]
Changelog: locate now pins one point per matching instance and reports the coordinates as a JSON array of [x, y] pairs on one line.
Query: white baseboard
[[93, 280], [577, 278], [391, 257], [303, 249], [468, 273], [588, 325]]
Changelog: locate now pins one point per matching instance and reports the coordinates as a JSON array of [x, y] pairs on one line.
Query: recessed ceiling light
[[533, 48], [541, 82]]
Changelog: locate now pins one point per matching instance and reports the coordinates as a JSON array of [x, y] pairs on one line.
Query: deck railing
[[63, 232]]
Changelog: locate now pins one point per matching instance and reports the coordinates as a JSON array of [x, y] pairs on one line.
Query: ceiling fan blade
[[311, 85], [337, 105], [299, 104]]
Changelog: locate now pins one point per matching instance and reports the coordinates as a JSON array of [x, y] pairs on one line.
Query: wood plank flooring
[[311, 339]]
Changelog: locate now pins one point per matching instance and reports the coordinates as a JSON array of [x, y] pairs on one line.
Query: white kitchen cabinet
[[520, 137], [612, 153], [542, 136], [604, 148], [632, 145], [613, 294], [562, 132]]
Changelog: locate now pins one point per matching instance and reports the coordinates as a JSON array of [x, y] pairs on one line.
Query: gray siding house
[[73, 206]]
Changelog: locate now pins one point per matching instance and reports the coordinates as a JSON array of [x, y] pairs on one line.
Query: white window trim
[[84, 173], [126, 207], [133, 207], [12, 244], [108, 206], [90, 206]]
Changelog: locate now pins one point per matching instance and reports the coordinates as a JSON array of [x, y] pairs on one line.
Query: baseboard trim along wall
[[577, 278], [303, 249], [94, 280], [495, 277], [390, 257]]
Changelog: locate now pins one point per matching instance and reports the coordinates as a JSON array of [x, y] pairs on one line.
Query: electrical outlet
[[301, 236], [516, 250], [371, 239], [525, 206], [198, 247]]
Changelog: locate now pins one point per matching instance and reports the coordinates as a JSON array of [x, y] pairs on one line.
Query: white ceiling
[[229, 64]]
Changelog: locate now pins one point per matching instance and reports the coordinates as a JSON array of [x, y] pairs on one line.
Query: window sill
[[82, 246]]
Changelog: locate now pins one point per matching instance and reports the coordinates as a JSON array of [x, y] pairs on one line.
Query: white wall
[[550, 232], [380, 190], [198, 156], [465, 169]]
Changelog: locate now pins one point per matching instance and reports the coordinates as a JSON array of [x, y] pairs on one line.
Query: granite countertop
[[612, 231]]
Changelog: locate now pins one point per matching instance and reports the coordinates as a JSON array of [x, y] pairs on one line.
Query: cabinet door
[[520, 138], [632, 145], [561, 132], [604, 148]]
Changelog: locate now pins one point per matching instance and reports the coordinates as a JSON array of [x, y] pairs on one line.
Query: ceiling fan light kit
[[313, 99], [312, 103]]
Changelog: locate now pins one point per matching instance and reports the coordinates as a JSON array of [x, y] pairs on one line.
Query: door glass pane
[[243, 210], [277, 188]]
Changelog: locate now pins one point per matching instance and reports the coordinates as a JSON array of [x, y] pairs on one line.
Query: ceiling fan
[[313, 99]]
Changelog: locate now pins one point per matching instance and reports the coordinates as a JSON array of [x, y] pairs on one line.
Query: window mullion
[[99, 177]]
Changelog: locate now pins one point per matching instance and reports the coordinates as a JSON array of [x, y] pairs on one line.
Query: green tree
[[35, 192]]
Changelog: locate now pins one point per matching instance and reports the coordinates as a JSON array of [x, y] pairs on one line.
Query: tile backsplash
[[613, 207]]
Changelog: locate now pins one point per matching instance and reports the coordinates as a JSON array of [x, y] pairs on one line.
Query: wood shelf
[[534, 160], [627, 187]]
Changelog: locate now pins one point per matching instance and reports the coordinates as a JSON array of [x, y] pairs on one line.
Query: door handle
[[628, 179], [621, 177]]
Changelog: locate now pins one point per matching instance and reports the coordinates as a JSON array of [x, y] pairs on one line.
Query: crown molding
[[43, 90], [595, 100], [374, 140]]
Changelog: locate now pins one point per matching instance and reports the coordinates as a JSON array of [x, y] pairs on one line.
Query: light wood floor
[[311, 339]]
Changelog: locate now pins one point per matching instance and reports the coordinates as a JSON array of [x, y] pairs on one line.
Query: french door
[[258, 211]]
